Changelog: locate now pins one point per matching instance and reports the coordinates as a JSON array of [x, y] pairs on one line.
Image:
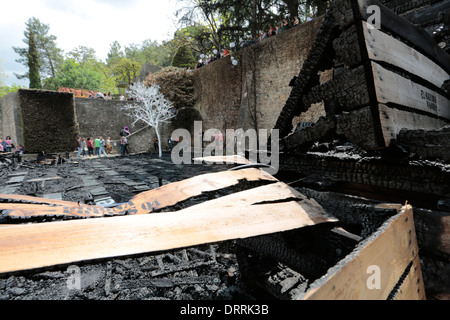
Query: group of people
[[88, 147], [272, 31], [6, 145], [99, 95], [211, 58], [282, 26]]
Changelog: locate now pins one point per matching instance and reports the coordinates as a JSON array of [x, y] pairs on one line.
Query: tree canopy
[[203, 25]]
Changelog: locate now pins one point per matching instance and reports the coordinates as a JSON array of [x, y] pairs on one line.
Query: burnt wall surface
[[252, 94], [48, 121]]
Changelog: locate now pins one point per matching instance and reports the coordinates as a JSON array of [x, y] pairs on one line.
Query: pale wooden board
[[173, 193], [393, 120], [31, 246], [234, 159], [382, 47], [391, 248], [270, 193], [393, 88], [17, 210], [413, 287], [144, 203], [4, 198]]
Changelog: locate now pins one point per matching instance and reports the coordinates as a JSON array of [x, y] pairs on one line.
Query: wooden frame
[[392, 251]]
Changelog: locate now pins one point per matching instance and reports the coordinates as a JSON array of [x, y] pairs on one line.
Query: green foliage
[[76, 75], [126, 71], [184, 58], [49, 55], [4, 90], [33, 63]]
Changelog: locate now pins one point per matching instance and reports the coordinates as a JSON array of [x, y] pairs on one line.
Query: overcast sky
[[91, 23]]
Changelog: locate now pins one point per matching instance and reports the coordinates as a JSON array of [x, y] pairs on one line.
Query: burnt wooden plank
[[412, 287], [359, 127], [384, 48], [171, 194], [418, 37], [143, 203], [429, 14], [394, 120], [14, 198], [32, 246], [394, 88]]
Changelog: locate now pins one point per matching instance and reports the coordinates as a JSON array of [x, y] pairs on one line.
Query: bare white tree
[[150, 107]]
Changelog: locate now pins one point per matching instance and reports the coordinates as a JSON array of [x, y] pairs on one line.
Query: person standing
[[97, 145], [102, 147], [9, 144], [155, 143], [79, 147], [90, 146], [108, 145], [83, 147], [124, 146]]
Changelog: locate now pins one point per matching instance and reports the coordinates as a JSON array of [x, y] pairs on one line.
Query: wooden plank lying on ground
[[143, 203], [176, 192], [234, 159], [31, 246], [15, 198], [23, 211], [385, 256]]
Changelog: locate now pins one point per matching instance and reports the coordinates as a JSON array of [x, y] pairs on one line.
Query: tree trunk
[[158, 135]]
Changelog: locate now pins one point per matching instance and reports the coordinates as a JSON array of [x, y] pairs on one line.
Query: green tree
[[228, 21], [33, 63], [49, 55], [184, 58], [77, 76], [126, 71], [115, 54]]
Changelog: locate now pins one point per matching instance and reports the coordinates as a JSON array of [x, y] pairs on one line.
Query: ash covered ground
[[208, 272]]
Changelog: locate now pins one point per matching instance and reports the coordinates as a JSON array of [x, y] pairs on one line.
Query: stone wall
[[10, 118], [97, 117], [252, 94], [42, 121]]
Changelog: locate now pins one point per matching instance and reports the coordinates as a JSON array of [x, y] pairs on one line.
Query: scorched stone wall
[[252, 94], [43, 121]]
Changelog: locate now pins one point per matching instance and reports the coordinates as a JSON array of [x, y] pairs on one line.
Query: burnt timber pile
[[385, 134]]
